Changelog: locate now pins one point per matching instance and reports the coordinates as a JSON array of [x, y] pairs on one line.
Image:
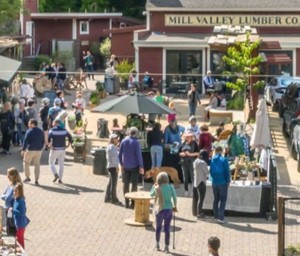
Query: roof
[[8, 68], [124, 30], [229, 5], [72, 15]]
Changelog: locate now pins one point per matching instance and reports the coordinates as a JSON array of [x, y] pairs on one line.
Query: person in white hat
[[112, 157]]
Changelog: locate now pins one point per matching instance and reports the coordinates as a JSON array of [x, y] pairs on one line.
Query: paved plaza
[[72, 218]]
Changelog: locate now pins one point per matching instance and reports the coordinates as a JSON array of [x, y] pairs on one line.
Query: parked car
[[291, 92], [276, 88]]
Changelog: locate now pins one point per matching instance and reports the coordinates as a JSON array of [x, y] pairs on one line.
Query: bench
[[217, 115]]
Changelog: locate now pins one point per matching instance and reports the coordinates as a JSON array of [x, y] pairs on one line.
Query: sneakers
[[37, 182], [55, 178], [60, 182], [157, 248], [221, 221], [166, 250], [201, 216], [27, 179]]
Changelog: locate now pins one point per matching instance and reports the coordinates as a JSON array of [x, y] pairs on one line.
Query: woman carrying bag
[[165, 197]]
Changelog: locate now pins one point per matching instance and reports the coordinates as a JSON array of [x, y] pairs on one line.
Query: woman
[[193, 127], [188, 152], [154, 140], [206, 139], [7, 127], [19, 213], [173, 133], [165, 197], [44, 110], [200, 176], [8, 197], [112, 166], [193, 99]]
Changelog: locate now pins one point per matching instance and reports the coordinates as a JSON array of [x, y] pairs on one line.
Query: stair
[[28, 63]]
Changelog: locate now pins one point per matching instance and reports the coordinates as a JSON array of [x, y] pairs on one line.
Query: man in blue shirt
[[32, 150], [220, 173], [57, 139], [130, 157]]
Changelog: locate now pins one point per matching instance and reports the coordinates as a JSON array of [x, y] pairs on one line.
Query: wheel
[[294, 153], [284, 132]]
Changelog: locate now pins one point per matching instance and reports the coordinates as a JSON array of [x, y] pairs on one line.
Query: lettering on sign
[[249, 20]]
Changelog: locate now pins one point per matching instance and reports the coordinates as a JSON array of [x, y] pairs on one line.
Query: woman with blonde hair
[[8, 197], [165, 197]]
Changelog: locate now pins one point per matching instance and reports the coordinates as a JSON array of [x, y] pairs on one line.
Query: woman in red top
[[205, 139]]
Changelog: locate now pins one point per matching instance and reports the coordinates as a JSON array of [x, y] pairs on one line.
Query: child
[[112, 166], [171, 117], [115, 123], [165, 197], [19, 213], [79, 106], [213, 246]]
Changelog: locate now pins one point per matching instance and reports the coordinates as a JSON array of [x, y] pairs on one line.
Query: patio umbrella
[[133, 103], [261, 134]]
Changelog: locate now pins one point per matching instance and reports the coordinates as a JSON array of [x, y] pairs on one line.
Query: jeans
[[187, 171], [90, 70], [198, 198], [166, 216], [130, 176], [111, 190], [21, 134], [193, 107], [156, 155], [220, 198]]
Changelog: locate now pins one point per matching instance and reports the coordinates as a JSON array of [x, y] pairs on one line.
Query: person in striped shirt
[[57, 140]]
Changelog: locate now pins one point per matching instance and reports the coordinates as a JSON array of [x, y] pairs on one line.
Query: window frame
[[87, 27]]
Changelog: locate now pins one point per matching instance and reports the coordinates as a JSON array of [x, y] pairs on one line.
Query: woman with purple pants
[[165, 198]]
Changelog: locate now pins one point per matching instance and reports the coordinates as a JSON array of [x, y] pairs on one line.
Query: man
[[32, 150], [208, 81], [89, 64], [220, 173], [57, 139], [61, 76], [54, 111], [193, 99], [130, 157], [147, 80], [24, 90]]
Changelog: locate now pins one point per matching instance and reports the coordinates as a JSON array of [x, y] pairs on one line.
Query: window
[[84, 27], [184, 66]]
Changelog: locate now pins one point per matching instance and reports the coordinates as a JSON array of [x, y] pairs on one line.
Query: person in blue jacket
[[8, 197], [173, 133], [19, 213], [220, 174]]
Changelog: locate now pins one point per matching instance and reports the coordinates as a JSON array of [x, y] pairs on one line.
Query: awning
[[278, 58], [8, 68], [270, 45]]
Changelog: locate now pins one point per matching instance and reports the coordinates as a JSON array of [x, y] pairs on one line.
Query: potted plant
[[94, 99], [100, 89]]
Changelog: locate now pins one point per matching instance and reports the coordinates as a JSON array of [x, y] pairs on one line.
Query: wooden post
[[280, 226]]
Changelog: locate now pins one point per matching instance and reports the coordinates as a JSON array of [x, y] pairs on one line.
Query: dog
[[172, 172]]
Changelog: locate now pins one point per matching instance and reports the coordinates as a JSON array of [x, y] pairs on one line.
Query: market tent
[[8, 68], [261, 134], [133, 103]]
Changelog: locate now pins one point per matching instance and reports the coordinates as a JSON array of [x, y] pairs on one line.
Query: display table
[[243, 198], [141, 208]]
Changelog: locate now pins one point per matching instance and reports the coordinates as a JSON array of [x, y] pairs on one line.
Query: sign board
[[242, 20]]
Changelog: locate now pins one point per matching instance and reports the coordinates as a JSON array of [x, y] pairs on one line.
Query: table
[[141, 208], [243, 198]]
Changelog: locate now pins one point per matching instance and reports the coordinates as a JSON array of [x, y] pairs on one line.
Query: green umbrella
[[133, 103]]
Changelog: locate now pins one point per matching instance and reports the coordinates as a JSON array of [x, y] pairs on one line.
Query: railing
[[288, 226]]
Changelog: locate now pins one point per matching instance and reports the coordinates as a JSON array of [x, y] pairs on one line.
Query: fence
[[289, 226]]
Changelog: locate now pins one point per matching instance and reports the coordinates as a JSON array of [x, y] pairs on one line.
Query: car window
[[287, 81], [273, 82]]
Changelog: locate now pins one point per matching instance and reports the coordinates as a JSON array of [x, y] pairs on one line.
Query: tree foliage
[[59, 5], [105, 48], [9, 14], [243, 63]]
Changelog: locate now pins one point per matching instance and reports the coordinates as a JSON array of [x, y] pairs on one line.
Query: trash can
[[109, 84], [116, 86], [102, 128], [99, 161]]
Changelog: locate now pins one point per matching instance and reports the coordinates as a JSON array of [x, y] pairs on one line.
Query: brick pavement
[[72, 219]]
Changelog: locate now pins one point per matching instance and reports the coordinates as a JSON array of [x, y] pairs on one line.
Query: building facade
[[176, 44]]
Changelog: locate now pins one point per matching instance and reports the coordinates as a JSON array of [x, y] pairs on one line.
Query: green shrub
[[237, 102], [94, 98], [124, 68], [105, 48], [39, 60]]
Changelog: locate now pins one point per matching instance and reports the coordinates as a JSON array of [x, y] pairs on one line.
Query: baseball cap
[[57, 102], [113, 136]]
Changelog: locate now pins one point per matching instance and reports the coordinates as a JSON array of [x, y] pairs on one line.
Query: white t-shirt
[[25, 90]]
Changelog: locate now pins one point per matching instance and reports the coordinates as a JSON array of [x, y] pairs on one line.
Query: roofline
[[56, 15], [181, 9], [124, 30]]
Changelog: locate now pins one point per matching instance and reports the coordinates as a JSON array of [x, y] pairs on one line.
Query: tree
[[244, 60], [59, 5], [94, 5], [9, 14], [132, 8]]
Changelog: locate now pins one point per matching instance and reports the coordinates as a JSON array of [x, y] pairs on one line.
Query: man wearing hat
[[130, 157]]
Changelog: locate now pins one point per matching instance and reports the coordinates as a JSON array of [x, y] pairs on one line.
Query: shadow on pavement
[[248, 229], [185, 220]]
